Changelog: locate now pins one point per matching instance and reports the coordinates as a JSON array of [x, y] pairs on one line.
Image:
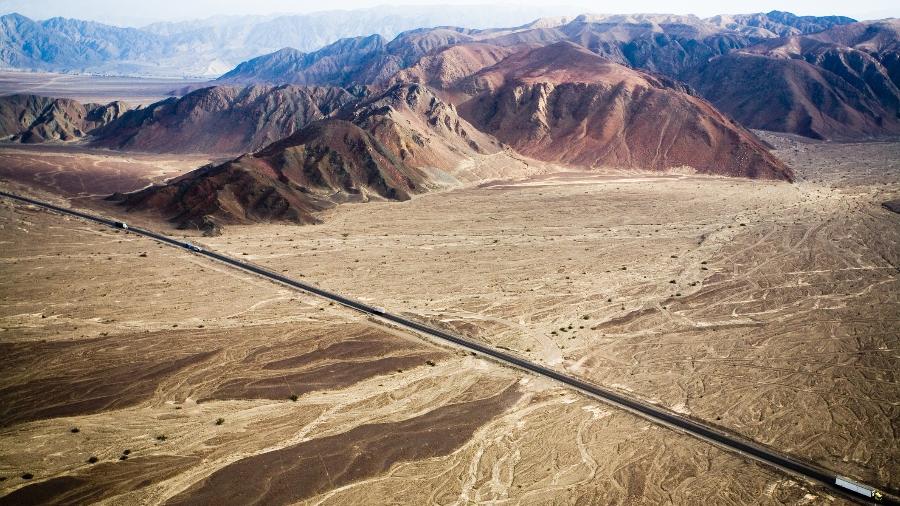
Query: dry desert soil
[[767, 309], [92, 89]]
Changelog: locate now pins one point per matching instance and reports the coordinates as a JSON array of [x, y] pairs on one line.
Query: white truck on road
[[859, 488]]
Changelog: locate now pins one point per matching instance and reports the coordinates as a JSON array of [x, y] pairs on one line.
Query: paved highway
[[847, 488]]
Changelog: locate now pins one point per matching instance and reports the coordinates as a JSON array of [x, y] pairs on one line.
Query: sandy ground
[[143, 348], [769, 309], [72, 171], [95, 89]]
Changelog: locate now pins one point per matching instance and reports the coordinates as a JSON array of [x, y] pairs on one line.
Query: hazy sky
[[139, 12]]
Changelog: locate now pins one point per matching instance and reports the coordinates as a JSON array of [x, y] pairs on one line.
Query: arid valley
[[741, 277]]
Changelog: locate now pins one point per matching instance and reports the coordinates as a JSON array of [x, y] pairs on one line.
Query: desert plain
[[139, 373], [92, 88]]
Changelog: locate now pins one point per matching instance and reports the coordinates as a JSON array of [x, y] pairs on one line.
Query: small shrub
[[126, 452], [123, 457], [161, 437], [220, 421], [92, 460], [75, 430], [430, 362], [294, 397]]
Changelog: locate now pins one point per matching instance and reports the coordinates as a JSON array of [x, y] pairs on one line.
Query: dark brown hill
[[326, 163], [789, 95], [221, 119], [34, 119], [388, 146], [563, 103], [838, 84]]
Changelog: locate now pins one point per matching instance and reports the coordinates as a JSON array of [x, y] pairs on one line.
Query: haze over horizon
[[142, 13]]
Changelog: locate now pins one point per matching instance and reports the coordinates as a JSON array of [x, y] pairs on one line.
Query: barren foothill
[[82, 305]]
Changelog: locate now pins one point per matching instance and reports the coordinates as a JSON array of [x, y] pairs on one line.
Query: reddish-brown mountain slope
[[443, 69], [421, 128], [563, 103]]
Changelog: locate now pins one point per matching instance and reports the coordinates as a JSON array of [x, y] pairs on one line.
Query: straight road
[[847, 488]]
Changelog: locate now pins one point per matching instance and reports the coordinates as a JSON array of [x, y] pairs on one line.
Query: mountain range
[[368, 117], [768, 71], [838, 83], [559, 103], [210, 47], [667, 44]]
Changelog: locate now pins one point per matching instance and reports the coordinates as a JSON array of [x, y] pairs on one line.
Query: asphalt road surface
[[656, 414]]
